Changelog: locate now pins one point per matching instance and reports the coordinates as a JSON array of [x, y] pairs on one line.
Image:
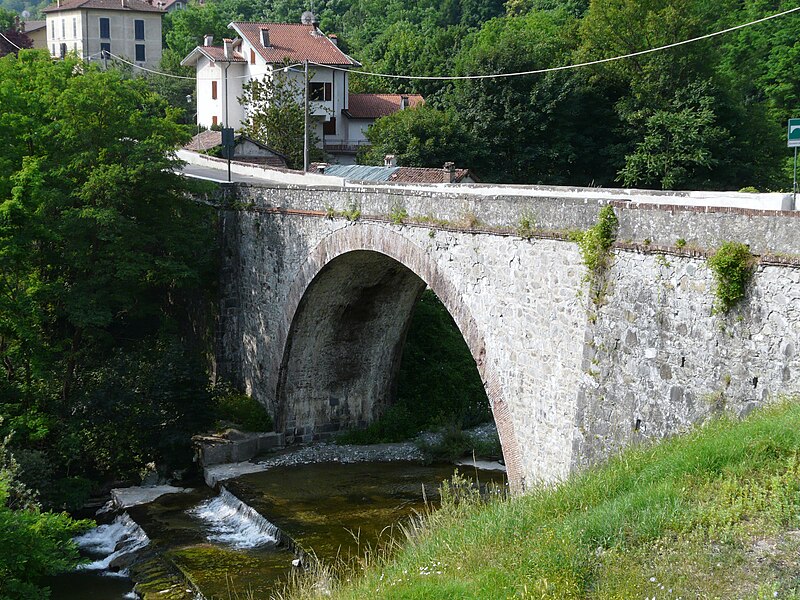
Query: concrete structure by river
[[318, 284]]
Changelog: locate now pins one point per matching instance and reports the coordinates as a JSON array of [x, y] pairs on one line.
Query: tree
[[679, 145], [546, 128], [418, 137], [33, 544], [99, 247], [275, 116]]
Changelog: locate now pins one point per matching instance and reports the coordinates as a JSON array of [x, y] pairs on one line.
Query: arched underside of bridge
[[349, 310]]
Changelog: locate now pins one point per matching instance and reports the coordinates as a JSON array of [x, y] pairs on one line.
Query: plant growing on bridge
[[595, 242], [398, 215], [732, 266], [526, 226]]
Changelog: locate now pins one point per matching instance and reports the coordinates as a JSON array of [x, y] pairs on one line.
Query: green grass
[[712, 514]]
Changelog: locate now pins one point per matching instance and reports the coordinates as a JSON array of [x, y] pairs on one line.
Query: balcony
[[341, 147]]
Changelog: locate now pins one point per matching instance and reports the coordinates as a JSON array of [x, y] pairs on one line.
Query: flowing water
[[244, 539]]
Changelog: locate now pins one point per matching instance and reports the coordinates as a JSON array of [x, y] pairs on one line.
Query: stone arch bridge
[[318, 285]]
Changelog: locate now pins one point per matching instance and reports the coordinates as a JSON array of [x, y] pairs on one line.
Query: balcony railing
[[345, 147]]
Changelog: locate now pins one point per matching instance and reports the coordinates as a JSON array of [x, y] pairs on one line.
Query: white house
[[339, 119], [262, 50], [130, 29]]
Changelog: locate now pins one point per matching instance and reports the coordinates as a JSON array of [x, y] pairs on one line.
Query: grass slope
[[713, 514]]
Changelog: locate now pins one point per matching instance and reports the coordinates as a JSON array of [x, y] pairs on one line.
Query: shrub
[[241, 410], [33, 544], [732, 266], [595, 242]]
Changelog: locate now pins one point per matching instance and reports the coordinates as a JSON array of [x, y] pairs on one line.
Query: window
[[329, 127], [63, 28], [252, 56], [105, 50], [214, 118], [105, 28], [213, 90], [63, 50], [74, 27], [138, 29], [139, 52], [320, 92]]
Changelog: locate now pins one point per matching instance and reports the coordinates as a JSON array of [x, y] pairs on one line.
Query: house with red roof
[[265, 50], [268, 50], [129, 29]]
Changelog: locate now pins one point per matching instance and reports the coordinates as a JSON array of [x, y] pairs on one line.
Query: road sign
[[229, 141], [794, 133]]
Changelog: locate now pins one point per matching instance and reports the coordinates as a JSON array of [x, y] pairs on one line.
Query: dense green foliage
[[437, 385], [732, 265], [595, 242], [33, 544], [419, 136], [706, 115], [233, 408], [708, 515], [104, 271]]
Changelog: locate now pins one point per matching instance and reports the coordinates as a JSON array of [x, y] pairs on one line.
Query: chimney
[[124, 3], [333, 38], [228, 48], [208, 39], [390, 160], [265, 37], [403, 102], [449, 172], [58, 3]]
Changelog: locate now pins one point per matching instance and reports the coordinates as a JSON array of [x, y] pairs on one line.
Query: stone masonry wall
[[569, 381]]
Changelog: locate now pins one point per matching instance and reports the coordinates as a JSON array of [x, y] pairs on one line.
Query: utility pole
[[227, 124], [305, 119], [794, 184]]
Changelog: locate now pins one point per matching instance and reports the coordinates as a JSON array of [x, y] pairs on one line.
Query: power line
[[566, 67], [9, 41], [134, 65], [127, 62], [500, 75]]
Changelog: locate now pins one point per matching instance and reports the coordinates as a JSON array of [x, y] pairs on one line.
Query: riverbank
[[713, 514], [417, 450]]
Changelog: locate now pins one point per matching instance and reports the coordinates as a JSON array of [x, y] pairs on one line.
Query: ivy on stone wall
[[732, 265]]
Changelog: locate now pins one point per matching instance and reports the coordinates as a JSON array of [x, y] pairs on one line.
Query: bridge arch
[[346, 315]]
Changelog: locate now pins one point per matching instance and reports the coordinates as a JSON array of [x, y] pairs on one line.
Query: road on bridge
[[220, 175]]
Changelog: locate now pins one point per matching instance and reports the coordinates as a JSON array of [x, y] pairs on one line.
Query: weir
[[317, 284]]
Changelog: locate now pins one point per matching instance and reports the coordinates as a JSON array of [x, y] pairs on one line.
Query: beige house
[[37, 32], [94, 29]]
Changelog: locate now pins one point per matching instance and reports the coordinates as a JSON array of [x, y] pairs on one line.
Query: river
[[245, 539]]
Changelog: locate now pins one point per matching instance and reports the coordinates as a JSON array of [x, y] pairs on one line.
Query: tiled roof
[[293, 42], [218, 53], [131, 5], [31, 26], [392, 174], [206, 140], [373, 106], [421, 175]]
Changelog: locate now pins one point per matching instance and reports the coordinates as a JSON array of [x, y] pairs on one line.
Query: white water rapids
[[231, 522], [109, 542]]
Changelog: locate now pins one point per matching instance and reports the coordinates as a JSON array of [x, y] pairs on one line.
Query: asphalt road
[[218, 175]]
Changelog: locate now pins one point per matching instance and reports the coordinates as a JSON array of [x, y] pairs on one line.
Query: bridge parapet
[[657, 218], [318, 282]]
